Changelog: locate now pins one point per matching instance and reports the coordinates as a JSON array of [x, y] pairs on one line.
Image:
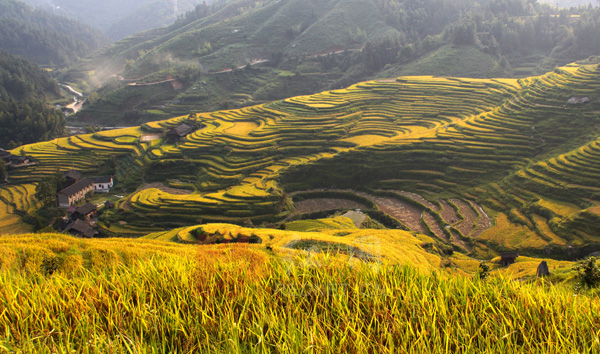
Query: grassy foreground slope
[[123, 295]]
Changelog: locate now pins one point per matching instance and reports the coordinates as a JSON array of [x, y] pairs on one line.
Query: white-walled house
[[102, 184]]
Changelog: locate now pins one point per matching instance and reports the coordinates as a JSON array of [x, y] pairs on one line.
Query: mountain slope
[[24, 93], [245, 52], [440, 156], [43, 37], [118, 19]]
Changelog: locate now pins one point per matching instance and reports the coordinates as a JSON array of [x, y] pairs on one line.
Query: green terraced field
[[479, 155]]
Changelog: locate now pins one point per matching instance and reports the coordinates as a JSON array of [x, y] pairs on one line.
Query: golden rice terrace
[[482, 165]]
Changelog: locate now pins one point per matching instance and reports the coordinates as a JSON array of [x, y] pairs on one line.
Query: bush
[[50, 265], [484, 270], [589, 272]]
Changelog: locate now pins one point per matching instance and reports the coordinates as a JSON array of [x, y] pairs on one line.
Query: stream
[[78, 98]]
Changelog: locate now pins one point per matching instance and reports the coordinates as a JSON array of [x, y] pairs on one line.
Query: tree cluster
[[24, 114], [43, 37], [505, 28]]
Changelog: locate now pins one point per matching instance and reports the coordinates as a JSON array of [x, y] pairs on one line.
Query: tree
[[46, 190], [3, 175]]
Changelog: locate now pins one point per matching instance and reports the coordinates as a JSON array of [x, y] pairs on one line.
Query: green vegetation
[[589, 272], [238, 54], [24, 113], [43, 37]]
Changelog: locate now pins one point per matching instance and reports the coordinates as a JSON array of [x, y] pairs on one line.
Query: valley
[[290, 176], [477, 164]]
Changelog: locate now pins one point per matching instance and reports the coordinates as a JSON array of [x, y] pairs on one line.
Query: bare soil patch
[[483, 223], [420, 199], [466, 226], [176, 84], [448, 213], [433, 225], [406, 213]]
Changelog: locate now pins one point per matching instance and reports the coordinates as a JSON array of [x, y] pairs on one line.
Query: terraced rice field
[[15, 199], [460, 147], [322, 204]]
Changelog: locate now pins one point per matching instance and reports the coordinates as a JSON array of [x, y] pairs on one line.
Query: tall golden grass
[[119, 296]]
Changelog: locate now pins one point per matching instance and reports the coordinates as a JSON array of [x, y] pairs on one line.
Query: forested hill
[[43, 37], [296, 47], [24, 112], [22, 79], [119, 18]]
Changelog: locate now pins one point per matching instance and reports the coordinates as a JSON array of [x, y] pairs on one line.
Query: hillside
[[246, 53], [43, 37], [141, 295], [480, 165], [25, 90], [118, 19]]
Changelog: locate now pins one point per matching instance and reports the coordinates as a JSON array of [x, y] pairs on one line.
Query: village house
[[75, 192], [81, 228], [13, 160], [85, 212], [179, 132], [508, 258], [102, 184], [71, 177], [578, 100]]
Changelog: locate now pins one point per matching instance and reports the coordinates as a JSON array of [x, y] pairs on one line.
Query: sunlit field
[[142, 296]]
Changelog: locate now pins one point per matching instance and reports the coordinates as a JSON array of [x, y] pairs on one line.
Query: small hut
[[85, 212], [179, 132], [81, 228], [508, 258]]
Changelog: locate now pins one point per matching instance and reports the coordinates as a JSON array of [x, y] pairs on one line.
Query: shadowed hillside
[[243, 53], [43, 37]]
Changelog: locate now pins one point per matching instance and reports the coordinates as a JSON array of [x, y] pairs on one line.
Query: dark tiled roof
[[73, 174], [81, 227], [86, 209], [18, 158], [509, 255], [181, 130], [102, 179], [77, 187]]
